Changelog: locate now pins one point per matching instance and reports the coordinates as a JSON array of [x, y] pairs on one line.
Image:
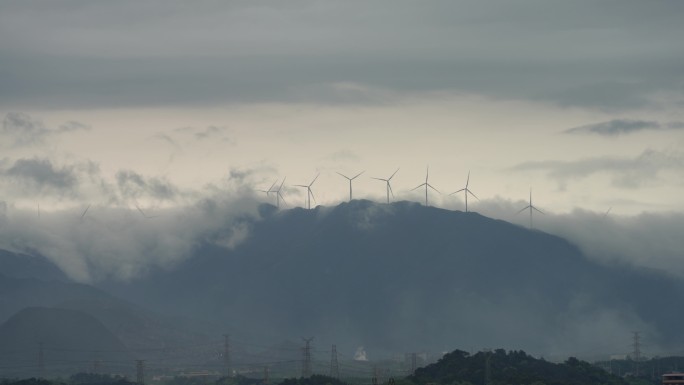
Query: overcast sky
[[161, 103]]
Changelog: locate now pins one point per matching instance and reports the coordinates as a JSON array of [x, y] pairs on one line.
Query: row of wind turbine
[[388, 186]]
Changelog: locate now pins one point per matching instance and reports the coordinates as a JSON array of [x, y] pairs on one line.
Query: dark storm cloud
[[625, 172], [608, 55], [20, 129], [618, 127]]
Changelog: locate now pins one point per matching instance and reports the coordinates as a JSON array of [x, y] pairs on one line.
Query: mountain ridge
[[404, 276]]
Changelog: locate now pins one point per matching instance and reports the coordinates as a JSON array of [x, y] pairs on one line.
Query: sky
[[157, 105]]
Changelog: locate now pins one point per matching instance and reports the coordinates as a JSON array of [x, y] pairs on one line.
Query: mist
[[104, 242]]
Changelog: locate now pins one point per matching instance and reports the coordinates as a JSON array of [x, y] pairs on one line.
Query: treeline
[[500, 367], [104, 379], [76, 379]]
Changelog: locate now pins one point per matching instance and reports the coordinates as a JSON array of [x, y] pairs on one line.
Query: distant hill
[[17, 265], [514, 367], [404, 277], [71, 340], [18, 293], [139, 330]]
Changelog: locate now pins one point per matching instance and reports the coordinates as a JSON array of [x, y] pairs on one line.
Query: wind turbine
[[270, 189], [531, 207], [389, 187], [309, 194], [350, 182], [426, 184], [279, 196], [466, 191]]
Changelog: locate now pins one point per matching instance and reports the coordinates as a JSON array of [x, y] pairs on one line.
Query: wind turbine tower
[[350, 182], [389, 186], [279, 196], [531, 208], [466, 191], [309, 194], [426, 184]]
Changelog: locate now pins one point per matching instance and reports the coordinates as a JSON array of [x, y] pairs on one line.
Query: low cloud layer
[[105, 242], [617, 127], [650, 240], [135, 224]]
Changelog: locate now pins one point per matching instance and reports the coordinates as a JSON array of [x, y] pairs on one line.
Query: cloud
[[651, 240], [134, 185], [618, 127], [113, 242], [19, 129], [98, 56], [625, 172], [74, 183], [40, 175]]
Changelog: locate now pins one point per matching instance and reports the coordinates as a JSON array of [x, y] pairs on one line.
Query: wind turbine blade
[[85, 211], [537, 210], [468, 179], [427, 174], [301, 185], [417, 187], [384, 180], [458, 191], [523, 209], [358, 175], [471, 193], [281, 184], [314, 180], [390, 188], [312, 195], [342, 175], [139, 209], [281, 197], [274, 183], [429, 185], [393, 174]]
